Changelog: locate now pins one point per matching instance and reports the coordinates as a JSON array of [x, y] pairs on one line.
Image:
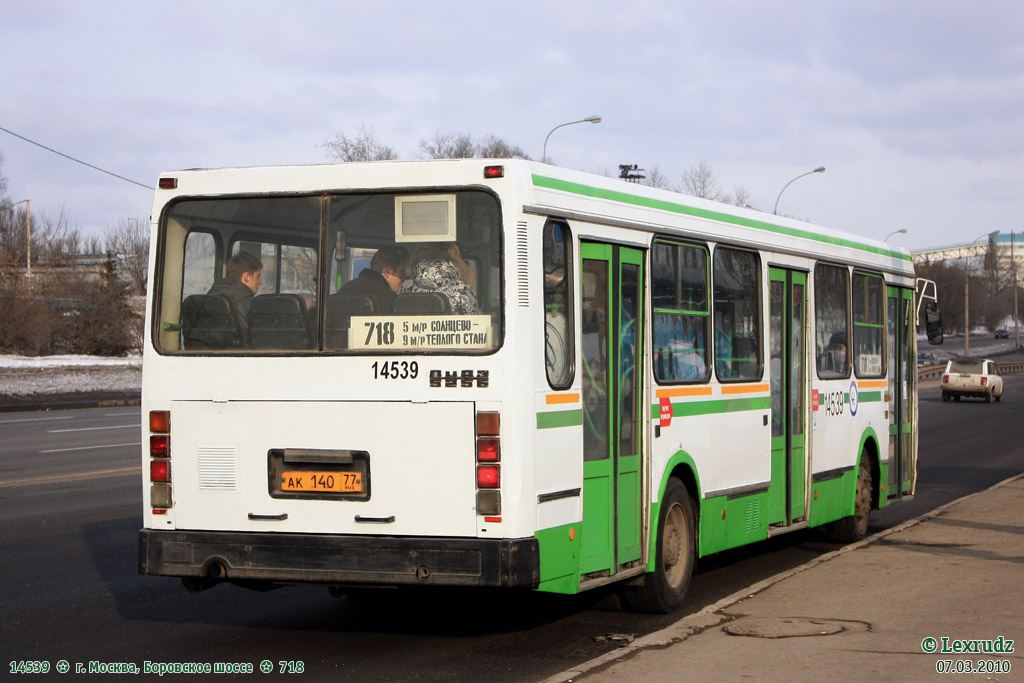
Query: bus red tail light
[[488, 450], [160, 466], [159, 446], [160, 471], [488, 476], [488, 472], [160, 421]]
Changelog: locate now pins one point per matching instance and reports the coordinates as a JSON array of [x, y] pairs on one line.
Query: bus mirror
[[933, 322]]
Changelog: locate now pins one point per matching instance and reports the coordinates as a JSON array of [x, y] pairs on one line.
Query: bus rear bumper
[[340, 560]]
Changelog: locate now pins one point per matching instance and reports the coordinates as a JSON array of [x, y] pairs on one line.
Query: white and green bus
[[627, 379]]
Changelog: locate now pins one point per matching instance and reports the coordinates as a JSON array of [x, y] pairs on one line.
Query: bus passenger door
[[612, 352], [902, 375], [787, 374]]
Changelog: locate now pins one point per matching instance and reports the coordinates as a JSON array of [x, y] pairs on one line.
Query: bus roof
[[556, 191]]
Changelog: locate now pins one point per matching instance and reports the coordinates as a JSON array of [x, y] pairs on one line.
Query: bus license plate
[[322, 482]]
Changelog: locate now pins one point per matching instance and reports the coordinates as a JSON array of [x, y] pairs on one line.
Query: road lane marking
[[36, 419], [92, 448], [91, 429], [98, 474]]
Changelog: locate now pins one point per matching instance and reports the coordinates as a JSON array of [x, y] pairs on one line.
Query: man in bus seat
[[834, 358], [240, 286], [382, 279]]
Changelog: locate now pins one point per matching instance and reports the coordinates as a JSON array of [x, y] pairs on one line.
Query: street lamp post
[[589, 119], [967, 308], [28, 241], [902, 231], [820, 169]]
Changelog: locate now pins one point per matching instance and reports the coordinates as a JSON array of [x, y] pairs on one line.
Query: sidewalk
[[860, 613]]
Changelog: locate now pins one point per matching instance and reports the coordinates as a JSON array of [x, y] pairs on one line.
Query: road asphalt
[[940, 593]]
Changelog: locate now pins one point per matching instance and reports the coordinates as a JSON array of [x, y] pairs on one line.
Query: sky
[[915, 108]]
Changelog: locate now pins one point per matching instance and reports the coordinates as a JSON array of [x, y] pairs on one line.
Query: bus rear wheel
[[664, 589], [855, 527]]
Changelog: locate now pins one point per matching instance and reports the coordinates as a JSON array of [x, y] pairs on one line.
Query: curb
[[711, 616], [9, 404]]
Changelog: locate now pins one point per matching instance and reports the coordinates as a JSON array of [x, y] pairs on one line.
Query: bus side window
[[737, 315], [558, 342], [679, 289]]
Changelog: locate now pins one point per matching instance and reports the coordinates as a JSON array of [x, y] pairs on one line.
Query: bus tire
[[664, 589], [855, 527]]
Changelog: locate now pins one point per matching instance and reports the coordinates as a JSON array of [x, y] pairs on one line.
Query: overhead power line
[[97, 168]]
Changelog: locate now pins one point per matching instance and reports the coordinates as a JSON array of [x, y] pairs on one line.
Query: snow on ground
[[40, 375]]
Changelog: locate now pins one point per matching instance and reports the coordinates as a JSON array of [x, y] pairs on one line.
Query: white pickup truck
[[972, 378]]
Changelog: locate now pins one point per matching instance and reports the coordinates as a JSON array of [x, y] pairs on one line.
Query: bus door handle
[[268, 518], [375, 520]]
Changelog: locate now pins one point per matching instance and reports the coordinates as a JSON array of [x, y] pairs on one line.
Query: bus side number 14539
[[396, 369]]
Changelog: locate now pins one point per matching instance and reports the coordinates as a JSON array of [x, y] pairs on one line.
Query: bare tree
[[702, 181], [657, 178], [364, 146], [740, 197], [448, 146], [3, 183], [129, 242], [494, 147]]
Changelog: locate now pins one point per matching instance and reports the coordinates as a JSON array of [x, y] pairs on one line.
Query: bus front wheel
[[664, 589]]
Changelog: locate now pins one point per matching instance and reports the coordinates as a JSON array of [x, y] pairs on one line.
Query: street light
[[895, 232], [28, 242], [820, 169], [589, 119], [967, 308]]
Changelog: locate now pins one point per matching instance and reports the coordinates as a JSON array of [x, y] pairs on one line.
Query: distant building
[[999, 253]]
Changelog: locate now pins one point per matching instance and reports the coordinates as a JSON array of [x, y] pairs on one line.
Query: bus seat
[[340, 309], [421, 303], [209, 321], [278, 321]]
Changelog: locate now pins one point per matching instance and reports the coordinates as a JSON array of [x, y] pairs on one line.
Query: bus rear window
[[368, 273]]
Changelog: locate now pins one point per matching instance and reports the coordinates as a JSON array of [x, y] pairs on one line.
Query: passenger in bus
[[833, 360], [383, 278], [240, 286], [439, 267]]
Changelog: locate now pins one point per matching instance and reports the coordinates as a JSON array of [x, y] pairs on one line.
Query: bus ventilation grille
[[217, 468], [523, 264], [753, 516]]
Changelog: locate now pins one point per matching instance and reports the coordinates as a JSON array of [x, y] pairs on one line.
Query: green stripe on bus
[[560, 418], [683, 209], [731, 405], [869, 396]]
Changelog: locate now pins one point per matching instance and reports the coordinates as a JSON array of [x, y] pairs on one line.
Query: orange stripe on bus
[[683, 391], [878, 384], [553, 399], [744, 389]]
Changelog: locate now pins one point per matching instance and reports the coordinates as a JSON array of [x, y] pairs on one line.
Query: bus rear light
[[488, 450], [168, 183], [159, 446], [488, 424], [488, 502], [494, 171], [160, 471], [160, 496], [160, 421], [488, 476]]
